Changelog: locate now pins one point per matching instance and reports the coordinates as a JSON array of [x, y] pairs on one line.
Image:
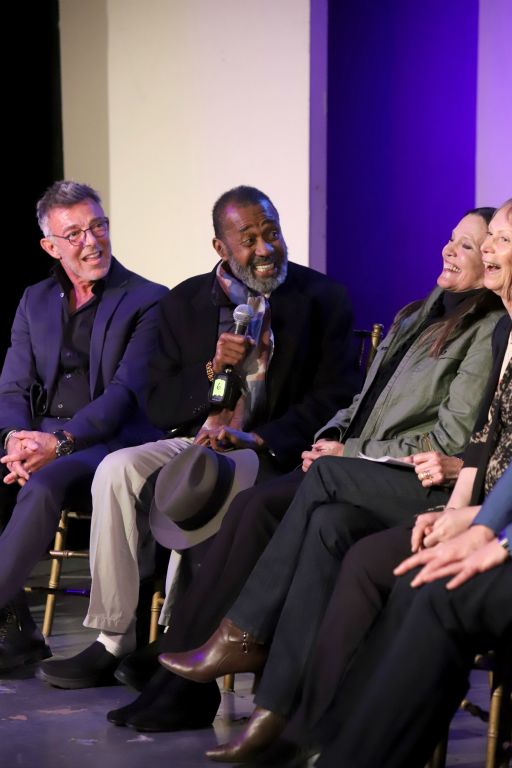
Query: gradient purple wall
[[400, 144]]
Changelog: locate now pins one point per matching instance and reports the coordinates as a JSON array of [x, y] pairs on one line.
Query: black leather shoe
[[169, 703], [120, 716], [93, 667], [21, 642], [157, 685], [137, 669]]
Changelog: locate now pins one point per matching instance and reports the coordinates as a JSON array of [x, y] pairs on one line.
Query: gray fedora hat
[[193, 492]]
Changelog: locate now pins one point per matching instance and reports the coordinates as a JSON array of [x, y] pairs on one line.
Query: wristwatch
[[505, 543], [65, 443]]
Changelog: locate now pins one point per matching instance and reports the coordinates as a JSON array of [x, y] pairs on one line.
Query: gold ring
[[428, 476]]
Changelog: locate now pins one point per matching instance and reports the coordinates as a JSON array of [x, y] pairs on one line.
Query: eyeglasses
[[77, 236]]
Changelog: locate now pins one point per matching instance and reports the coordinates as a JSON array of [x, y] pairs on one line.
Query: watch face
[[64, 446]]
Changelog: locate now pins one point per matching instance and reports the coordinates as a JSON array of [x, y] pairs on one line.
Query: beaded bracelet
[[209, 371]]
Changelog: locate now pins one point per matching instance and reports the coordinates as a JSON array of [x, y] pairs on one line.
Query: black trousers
[[410, 675], [246, 529], [340, 501], [30, 524], [364, 583]]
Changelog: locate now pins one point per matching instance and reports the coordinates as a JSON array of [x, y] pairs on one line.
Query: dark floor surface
[[42, 727]]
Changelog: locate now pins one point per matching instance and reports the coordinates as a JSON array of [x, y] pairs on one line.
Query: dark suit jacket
[[122, 342], [312, 371]]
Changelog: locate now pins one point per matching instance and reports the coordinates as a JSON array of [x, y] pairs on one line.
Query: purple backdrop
[[400, 144]]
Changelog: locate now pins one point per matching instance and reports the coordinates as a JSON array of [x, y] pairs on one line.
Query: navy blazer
[[123, 340], [311, 375]]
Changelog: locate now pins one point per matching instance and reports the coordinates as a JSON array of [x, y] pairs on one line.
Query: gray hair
[[62, 194]]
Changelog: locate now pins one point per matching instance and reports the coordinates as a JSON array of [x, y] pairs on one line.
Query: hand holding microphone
[[232, 347], [230, 351]]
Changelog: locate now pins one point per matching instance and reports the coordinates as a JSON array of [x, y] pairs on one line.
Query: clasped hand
[[27, 451], [473, 551], [322, 447], [224, 438]]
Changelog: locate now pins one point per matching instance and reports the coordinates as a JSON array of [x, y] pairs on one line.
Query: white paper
[[386, 460]]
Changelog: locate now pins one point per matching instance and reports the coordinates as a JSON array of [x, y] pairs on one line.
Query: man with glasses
[[296, 367], [71, 391]]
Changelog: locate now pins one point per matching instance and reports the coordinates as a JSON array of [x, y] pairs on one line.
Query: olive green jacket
[[426, 397]]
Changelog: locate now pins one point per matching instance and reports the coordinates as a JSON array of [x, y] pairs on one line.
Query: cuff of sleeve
[[505, 542], [6, 435]]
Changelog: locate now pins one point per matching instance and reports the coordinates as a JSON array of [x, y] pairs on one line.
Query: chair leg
[[493, 729], [500, 716], [156, 605], [55, 571]]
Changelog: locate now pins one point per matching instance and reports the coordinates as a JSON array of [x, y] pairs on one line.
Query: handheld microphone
[[226, 387], [242, 315]]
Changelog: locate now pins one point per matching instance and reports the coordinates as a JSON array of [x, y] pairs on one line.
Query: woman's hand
[[322, 447], [450, 523], [423, 527], [431, 528], [453, 557], [434, 468]]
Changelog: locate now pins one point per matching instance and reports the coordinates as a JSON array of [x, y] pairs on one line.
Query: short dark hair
[[238, 196], [62, 194]]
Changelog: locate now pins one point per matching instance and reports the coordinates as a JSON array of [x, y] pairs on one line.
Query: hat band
[[220, 491]]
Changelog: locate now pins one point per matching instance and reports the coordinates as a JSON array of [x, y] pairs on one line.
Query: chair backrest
[[368, 343]]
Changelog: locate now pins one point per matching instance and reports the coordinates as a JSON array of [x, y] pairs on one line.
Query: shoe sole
[[73, 684], [33, 657], [119, 723], [169, 729]]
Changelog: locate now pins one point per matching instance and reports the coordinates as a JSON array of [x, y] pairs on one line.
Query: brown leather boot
[[263, 728], [229, 649]]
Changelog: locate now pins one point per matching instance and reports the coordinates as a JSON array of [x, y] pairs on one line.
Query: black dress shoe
[[137, 669], [93, 667], [21, 642], [160, 680], [169, 703]]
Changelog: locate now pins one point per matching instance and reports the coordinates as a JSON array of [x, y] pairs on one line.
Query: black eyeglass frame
[[103, 223]]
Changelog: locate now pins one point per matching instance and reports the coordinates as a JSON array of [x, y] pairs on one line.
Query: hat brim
[[170, 535]]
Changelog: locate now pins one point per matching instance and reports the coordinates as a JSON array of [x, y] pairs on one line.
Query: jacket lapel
[[286, 328], [55, 329], [113, 293]]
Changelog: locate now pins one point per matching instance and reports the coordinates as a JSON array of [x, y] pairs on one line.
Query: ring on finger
[[428, 476]]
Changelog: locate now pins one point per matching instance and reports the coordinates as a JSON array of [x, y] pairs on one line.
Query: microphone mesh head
[[243, 314]]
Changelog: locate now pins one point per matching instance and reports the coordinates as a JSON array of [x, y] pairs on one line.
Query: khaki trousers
[[121, 546]]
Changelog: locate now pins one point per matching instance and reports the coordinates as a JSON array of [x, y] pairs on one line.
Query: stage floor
[[43, 727]]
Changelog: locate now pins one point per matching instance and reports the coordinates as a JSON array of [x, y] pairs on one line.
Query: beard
[[253, 281]]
